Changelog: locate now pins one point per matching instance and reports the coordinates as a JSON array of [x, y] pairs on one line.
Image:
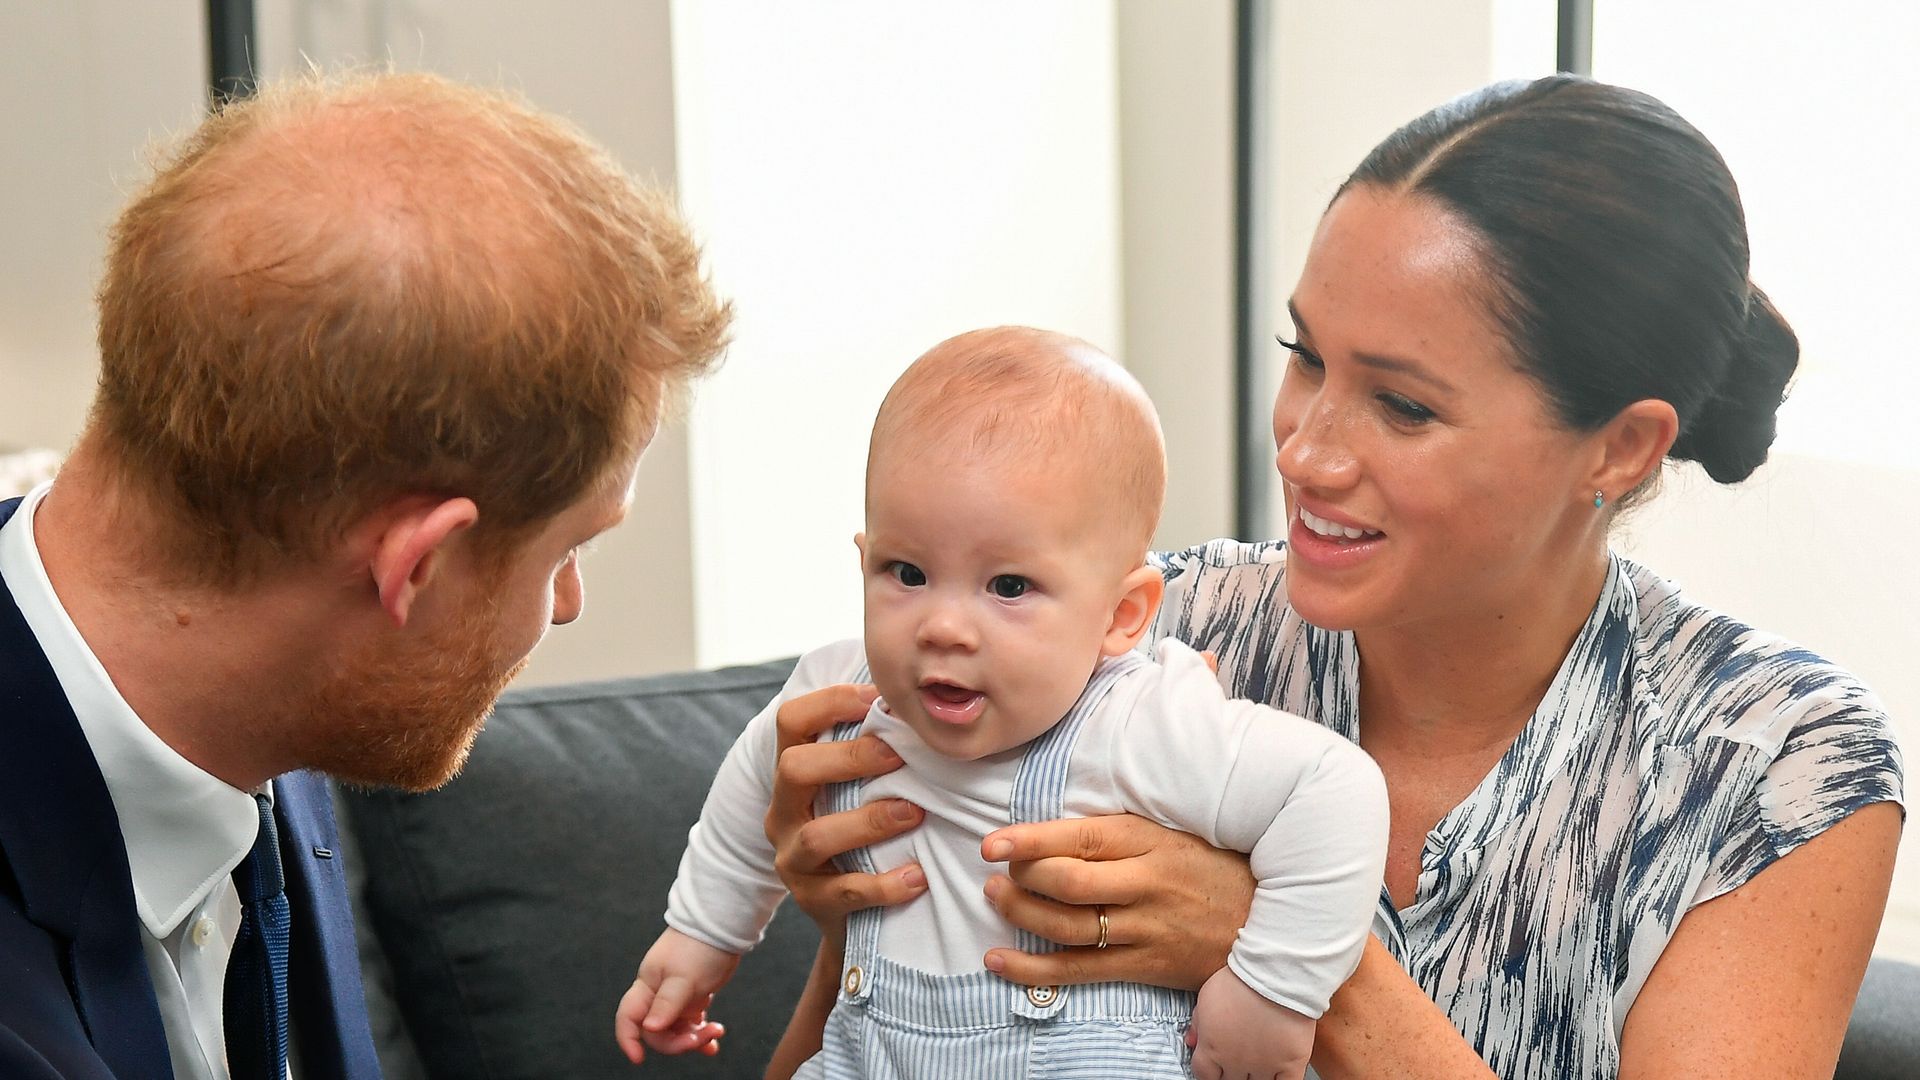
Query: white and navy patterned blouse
[[1676, 754]]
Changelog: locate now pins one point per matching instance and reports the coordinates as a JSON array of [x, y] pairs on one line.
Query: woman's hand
[[804, 845], [1173, 903]]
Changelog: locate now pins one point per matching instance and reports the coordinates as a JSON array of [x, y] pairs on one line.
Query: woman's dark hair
[[1617, 252]]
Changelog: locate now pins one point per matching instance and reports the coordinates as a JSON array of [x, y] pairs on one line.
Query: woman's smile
[[1326, 544]]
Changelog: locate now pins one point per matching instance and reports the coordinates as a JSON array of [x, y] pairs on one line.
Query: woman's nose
[[1314, 445]]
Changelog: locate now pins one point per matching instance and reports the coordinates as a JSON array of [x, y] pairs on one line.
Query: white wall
[[870, 177], [88, 84], [604, 64], [1176, 74], [1816, 125]]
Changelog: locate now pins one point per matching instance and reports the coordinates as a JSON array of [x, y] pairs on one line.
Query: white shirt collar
[[185, 829]]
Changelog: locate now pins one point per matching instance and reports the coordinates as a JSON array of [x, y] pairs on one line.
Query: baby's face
[[990, 588]]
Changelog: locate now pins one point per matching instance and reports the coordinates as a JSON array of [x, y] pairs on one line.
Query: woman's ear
[[1633, 444], [409, 550], [1141, 592]]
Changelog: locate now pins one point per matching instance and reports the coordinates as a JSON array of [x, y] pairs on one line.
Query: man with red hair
[[379, 353]]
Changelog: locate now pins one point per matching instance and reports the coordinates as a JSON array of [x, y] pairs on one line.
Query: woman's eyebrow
[[1409, 368]]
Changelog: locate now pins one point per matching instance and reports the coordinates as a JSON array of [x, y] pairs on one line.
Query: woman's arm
[[1757, 982], [804, 846], [1382, 1023], [801, 1040], [1760, 982], [1173, 907]]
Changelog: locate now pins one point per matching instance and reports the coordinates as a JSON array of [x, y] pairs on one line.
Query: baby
[[1013, 481]]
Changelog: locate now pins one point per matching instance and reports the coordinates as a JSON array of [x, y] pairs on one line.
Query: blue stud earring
[[1599, 500]]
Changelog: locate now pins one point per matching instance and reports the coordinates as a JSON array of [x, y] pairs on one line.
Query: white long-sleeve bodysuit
[[1158, 740]]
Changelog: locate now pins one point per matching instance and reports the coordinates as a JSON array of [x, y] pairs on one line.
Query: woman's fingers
[[1097, 839], [1173, 903], [804, 718], [835, 896], [1120, 963], [810, 765], [1076, 882], [805, 846], [1068, 924], [816, 843], [803, 765]]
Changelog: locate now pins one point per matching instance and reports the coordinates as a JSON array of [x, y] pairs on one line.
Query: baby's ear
[[860, 545], [1141, 592]]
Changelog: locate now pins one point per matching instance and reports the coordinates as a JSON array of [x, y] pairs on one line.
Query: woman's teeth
[[1321, 526]]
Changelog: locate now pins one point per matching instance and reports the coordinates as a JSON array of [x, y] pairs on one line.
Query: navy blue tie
[[256, 987]]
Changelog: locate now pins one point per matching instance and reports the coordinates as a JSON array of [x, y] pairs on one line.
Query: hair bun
[[1734, 428]]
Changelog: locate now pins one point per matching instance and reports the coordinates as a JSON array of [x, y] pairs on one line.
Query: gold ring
[[1101, 911]]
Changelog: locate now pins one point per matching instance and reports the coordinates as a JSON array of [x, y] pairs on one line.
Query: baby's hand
[[1238, 1033], [666, 1007]]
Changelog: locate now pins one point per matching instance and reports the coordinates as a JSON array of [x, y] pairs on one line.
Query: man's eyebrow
[[1409, 368]]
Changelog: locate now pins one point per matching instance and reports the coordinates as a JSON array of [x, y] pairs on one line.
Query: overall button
[[852, 983], [1043, 996], [202, 932]]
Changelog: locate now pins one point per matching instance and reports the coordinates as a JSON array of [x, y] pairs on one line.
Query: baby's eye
[[1009, 586], [907, 574]]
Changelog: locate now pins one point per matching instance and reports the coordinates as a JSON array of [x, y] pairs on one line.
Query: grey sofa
[[501, 917]]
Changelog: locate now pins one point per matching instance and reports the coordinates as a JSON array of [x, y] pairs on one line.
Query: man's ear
[[1632, 445], [409, 550], [1140, 596]]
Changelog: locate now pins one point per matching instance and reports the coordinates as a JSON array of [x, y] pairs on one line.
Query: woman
[[1630, 836]]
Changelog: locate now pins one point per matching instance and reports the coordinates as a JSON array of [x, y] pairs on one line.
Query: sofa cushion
[[513, 905], [1883, 1036]]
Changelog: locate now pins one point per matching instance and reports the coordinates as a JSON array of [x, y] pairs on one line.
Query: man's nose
[[569, 592]]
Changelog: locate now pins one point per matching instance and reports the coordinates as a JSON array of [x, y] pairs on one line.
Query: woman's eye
[[1406, 410], [1302, 358], [907, 574], [1009, 586]]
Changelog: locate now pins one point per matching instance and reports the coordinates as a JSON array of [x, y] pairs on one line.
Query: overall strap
[[1040, 787], [863, 927], [1039, 794]]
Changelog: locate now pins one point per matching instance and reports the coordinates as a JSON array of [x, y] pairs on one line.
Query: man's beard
[[407, 719]]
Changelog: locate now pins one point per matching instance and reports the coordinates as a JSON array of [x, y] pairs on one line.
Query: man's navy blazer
[[75, 998]]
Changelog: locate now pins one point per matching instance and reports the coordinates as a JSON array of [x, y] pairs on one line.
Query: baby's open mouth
[[951, 703]]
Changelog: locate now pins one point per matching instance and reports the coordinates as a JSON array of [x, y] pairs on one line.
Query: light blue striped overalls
[[892, 1021]]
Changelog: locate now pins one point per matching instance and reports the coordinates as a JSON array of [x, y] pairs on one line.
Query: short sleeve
[[1218, 590], [1839, 757]]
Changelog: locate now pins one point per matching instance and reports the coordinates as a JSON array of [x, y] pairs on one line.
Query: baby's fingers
[[626, 1020], [672, 999], [688, 1035]]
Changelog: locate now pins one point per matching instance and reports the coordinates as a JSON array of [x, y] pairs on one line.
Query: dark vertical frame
[[1252, 457], [230, 35], [1574, 52]]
